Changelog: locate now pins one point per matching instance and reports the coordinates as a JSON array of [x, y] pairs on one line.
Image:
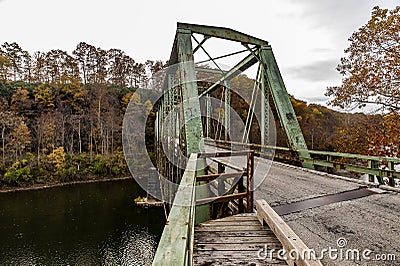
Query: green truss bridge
[[230, 201]]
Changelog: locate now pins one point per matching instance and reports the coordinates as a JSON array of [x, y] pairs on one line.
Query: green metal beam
[[283, 105], [190, 99], [200, 44], [264, 110], [192, 113], [222, 33], [227, 109], [243, 65], [208, 118]]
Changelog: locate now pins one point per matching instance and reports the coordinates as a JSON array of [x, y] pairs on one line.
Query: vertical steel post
[[192, 113], [287, 116], [190, 96], [171, 135], [264, 110], [227, 109], [208, 118]]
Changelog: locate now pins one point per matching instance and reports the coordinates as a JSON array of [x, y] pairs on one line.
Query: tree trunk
[[79, 136], [2, 138]]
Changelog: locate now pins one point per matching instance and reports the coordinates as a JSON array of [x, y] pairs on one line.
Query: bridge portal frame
[[272, 83], [191, 137]]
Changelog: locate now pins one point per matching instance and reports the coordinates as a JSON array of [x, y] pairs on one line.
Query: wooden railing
[[239, 187], [176, 243], [380, 167]]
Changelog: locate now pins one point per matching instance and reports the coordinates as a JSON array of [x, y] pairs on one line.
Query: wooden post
[[221, 183], [329, 159], [391, 178], [371, 165], [250, 172], [241, 190], [217, 208]]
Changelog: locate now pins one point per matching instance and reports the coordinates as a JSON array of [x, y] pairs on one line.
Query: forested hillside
[[61, 114]]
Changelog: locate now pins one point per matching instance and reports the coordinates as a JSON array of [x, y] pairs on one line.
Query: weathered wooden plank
[[234, 233], [246, 254], [284, 233], [236, 219], [238, 239], [230, 223], [236, 261], [234, 240], [236, 246], [228, 228]]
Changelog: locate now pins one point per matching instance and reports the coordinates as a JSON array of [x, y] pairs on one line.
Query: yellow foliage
[[58, 158]]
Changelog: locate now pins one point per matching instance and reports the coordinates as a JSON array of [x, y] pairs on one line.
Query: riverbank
[[37, 186]]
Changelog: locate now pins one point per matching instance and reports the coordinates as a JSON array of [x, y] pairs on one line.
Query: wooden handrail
[[222, 154], [243, 192], [224, 198], [219, 176]]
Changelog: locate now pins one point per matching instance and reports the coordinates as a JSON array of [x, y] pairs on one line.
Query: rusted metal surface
[[321, 201], [222, 33]]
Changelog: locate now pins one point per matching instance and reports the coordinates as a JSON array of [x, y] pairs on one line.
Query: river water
[[84, 224]]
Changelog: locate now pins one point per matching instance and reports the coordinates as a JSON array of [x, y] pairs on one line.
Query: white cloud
[[308, 36]]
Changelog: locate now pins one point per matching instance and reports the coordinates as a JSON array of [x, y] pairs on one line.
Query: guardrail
[[244, 187], [176, 243], [380, 167]]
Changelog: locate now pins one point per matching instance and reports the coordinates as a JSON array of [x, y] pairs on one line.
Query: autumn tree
[[60, 64], [371, 69], [44, 95], [371, 76], [39, 68], [5, 65], [20, 101], [15, 55], [21, 138]]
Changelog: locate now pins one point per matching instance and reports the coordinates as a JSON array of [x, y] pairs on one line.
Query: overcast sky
[[307, 36]]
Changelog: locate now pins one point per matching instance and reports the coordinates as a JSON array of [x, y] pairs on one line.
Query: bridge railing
[[381, 167], [176, 243], [240, 181]]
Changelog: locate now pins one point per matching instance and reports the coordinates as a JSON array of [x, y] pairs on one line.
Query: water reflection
[[135, 247], [92, 224]]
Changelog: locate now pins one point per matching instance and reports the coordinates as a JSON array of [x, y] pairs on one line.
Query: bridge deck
[[366, 223], [234, 240]]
